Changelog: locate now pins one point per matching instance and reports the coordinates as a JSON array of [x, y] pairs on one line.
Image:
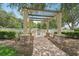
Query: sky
[[17, 13], [14, 11]]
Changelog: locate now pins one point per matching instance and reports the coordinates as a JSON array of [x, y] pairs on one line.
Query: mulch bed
[[7, 42]]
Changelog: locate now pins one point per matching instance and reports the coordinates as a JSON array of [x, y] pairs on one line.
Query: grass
[[7, 51]]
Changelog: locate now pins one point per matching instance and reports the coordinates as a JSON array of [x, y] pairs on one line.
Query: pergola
[[26, 39], [30, 15]]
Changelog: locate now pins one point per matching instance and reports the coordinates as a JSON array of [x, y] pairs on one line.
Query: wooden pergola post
[[25, 43], [59, 21], [47, 28], [47, 24], [25, 21], [30, 24]]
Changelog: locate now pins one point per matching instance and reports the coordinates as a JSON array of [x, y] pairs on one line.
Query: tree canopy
[[8, 20], [70, 14]]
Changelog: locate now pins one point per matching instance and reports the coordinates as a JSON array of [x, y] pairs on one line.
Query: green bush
[[74, 34], [7, 51], [77, 29], [7, 34], [55, 32]]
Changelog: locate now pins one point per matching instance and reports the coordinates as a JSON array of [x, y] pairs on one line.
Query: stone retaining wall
[[70, 46], [25, 45]]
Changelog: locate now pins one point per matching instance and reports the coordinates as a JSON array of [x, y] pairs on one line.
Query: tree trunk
[[72, 25]]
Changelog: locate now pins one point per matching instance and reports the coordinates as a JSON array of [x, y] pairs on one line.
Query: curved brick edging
[[70, 46]]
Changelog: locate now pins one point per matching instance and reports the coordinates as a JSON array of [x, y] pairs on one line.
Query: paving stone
[[44, 47]]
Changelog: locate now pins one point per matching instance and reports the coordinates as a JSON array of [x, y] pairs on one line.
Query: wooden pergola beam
[[55, 11], [36, 18], [40, 15]]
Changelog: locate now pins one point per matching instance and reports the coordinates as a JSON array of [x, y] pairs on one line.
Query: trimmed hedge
[[7, 34], [76, 29], [74, 34]]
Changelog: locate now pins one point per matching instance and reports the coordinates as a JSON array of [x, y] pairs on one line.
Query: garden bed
[[7, 42], [7, 51]]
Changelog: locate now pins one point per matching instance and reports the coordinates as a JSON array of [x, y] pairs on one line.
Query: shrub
[[7, 34], [7, 51], [55, 32], [77, 29], [74, 34]]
